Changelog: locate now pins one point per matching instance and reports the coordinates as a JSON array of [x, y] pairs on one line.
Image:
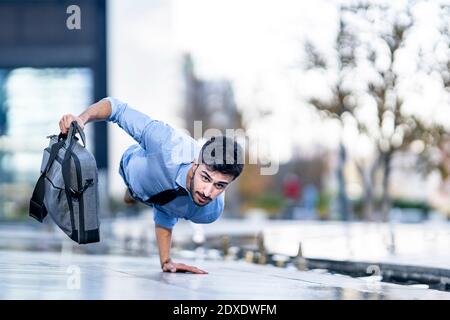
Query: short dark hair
[[223, 154]]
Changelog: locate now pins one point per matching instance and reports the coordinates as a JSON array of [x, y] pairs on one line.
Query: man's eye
[[204, 178], [220, 186]]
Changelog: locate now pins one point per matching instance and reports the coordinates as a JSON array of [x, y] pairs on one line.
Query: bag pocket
[[56, 200]]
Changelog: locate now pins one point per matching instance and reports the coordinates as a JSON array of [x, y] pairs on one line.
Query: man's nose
[[208, 190]]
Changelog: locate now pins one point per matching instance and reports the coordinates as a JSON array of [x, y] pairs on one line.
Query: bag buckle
[[78, 193]]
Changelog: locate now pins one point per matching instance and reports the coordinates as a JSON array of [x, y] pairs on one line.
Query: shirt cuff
[[163, 219], [114, 106]]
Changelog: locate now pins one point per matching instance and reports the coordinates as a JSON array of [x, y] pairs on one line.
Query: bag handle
[[73, 130]]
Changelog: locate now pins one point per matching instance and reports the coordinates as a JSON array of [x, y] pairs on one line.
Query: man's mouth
[[202, 199]]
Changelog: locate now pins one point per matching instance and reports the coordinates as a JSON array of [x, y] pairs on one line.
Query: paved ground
[[424, 244], [35, 275]]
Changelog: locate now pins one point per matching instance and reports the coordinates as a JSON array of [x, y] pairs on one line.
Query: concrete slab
[[422, 245], [44, 275]]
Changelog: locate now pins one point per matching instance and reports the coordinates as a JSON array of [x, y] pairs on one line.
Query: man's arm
[[164, 239], [98, 111], [151, 134]]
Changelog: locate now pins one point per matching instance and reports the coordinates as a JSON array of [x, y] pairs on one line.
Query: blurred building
[[211, 102], [46, 70]]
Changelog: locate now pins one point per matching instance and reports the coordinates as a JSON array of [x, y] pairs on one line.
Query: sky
[[254, 44]]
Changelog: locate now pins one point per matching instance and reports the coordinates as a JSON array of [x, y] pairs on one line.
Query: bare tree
[[394, 130]]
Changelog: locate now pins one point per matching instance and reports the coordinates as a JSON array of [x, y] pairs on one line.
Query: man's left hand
[[171, 266]]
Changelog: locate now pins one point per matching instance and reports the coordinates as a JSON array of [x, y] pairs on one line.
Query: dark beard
[[191, 186]]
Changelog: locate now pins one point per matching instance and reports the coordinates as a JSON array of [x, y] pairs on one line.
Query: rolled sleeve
[[113, 102], [163, 219], [116, 105]]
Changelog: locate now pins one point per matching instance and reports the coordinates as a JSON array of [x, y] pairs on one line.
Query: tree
[[370, 45]]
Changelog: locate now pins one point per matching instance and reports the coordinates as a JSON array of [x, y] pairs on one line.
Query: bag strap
[[65, 168], [166, 196], [37, 208], [73, 130], [72, 194]]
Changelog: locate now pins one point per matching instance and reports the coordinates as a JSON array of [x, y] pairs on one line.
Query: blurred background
[[348, 102]]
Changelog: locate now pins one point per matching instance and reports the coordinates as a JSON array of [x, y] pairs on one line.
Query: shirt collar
[[182, 174]]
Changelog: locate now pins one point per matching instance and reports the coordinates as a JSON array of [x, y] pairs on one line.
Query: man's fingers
[[200, 271], [66, 120], [61, 125], [192, 269], [196, 270], [181, 267]]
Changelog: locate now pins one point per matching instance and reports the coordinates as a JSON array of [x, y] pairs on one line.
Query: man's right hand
[[66, 120]]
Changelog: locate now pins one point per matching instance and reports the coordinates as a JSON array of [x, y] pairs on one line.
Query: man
[[169, 171]]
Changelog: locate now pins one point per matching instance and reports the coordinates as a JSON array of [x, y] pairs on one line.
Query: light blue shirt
[[160, 161]]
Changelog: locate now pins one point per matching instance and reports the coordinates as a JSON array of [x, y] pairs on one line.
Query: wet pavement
[[425, 244], [65, 275]]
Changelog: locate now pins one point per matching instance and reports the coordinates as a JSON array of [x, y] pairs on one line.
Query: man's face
[[206, 185]]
